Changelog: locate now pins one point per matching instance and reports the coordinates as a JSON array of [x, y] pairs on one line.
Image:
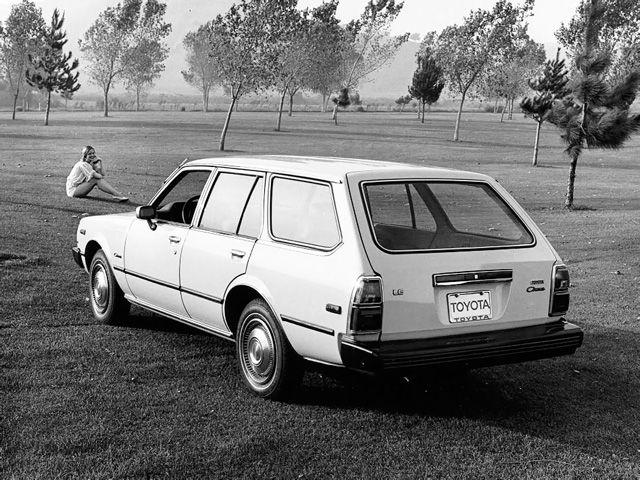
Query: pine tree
[[427, 83], [596, 113], [50, 69], [551, 86]]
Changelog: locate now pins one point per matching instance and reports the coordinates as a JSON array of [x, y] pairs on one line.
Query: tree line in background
[[272, 46]]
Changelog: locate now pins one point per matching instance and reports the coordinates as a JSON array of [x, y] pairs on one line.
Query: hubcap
[[258, 352], [100, 288]]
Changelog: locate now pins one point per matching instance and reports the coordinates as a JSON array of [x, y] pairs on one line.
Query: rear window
[[441, 215]]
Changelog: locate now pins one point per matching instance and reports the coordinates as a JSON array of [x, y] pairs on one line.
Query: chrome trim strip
[[148, 279], [170, 285], [480, 276], [179, 318], [201, 295], [357, 347], [310, 326]]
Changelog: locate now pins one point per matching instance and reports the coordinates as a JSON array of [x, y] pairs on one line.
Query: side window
[[178, 201], [227, 202], [303, 212]]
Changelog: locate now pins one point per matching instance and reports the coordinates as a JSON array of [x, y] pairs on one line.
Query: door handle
[[237, 253], [174, 239]]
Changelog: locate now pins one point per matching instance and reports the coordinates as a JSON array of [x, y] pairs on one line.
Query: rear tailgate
[[438, 280]]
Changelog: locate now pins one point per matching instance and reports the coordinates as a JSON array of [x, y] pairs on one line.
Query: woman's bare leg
[[83, 189], [107, 188]]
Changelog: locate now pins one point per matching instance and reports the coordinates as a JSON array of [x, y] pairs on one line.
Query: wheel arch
[[90, 250], [242, 291]]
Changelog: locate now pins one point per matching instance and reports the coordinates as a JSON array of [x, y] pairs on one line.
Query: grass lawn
[[153, 399]]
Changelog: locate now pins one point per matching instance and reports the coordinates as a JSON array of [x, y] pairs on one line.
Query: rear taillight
[[366, 306], [560, 291]]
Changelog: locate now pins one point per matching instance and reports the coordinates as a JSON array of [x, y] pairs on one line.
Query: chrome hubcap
[[100, 288], [258, 352]]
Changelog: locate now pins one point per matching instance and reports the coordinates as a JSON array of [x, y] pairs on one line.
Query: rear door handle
[[174, 239], [237, 253]]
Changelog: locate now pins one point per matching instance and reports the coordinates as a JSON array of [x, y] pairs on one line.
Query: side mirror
[[146, 212]]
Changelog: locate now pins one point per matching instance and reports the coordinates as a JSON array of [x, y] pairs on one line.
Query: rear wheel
[[268, 364], [107, 299]]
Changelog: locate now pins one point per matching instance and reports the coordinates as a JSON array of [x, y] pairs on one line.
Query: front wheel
[[107, 300], [268, 364]]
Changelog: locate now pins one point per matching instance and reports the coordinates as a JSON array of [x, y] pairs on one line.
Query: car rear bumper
[[463, 351], [77, 256]]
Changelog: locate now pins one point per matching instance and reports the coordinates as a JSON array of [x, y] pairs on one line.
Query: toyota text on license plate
[[469, 306]]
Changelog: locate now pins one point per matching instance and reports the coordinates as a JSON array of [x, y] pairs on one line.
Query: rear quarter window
[[421, 215], [303, 212]]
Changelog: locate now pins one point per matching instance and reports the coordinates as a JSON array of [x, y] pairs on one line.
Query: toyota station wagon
[[375, 267]]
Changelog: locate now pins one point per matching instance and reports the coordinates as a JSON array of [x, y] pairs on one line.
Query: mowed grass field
[[153, 399]]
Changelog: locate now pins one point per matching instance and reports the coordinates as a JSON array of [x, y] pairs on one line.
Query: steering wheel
[[189, 208]]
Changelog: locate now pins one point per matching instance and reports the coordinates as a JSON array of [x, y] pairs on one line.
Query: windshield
[[436, 215]]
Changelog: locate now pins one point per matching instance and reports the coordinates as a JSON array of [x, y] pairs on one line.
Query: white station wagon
[[377, 267]]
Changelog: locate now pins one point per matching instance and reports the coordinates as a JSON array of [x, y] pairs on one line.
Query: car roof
[[334, 169]]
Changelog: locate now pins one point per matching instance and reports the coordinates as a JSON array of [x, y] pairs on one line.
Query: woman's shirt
[[80, 173]]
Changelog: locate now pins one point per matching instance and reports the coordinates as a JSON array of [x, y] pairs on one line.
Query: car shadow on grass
[[590, 400]]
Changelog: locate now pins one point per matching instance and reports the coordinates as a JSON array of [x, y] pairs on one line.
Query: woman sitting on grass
[[88, 173]]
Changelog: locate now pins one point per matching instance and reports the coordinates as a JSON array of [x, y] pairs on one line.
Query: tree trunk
[[46, 117], [137, 99], [280, 110], [205, 99], [334, 114], [106, 102], [568, 203], [504, 109], [291, 95], [456, 133], [15, 103], [226, 124], [323, 107], [534, 163], [495, 105], [422, 116], [510, 117]]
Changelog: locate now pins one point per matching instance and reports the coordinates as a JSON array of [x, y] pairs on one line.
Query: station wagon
[[376, 267]]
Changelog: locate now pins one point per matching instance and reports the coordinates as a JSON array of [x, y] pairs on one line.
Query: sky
[[417, 16]]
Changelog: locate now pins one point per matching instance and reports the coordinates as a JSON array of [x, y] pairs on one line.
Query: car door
[[153, 247], [218, 247]]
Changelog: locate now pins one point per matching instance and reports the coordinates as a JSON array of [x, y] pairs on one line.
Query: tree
[[596, 113], [245, 44], [290, 50], [464, 51], [426, 84], [550, 87], [403, 101], [50, 69], [342, 100], [105, 45], [619, 34], [328, 44], [202, 72], [370, 45], [20, 37], [507, 77], [146, 52]]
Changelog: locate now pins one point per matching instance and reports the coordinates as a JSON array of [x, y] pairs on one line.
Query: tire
[[107, 299], [268, 365]]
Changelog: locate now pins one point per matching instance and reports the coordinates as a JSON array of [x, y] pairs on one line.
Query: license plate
[[469, 306]]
